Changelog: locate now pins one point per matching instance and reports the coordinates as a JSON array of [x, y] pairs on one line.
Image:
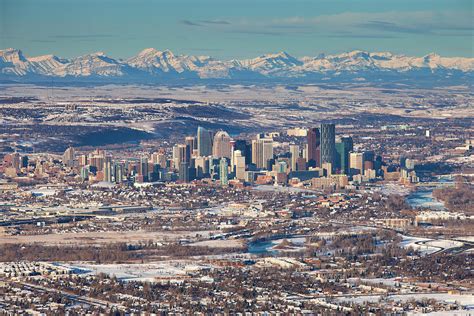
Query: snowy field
[[429, 246], [150, 272], [466, 300]]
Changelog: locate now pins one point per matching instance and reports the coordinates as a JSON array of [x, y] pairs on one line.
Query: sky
[[229, 29]]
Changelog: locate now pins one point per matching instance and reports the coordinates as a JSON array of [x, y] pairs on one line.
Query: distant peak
[[359, 53], [282, 54], [98, 54], [12, 54], [432, 55], [149, 51]]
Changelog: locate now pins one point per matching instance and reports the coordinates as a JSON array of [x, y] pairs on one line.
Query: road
[[73, 297]]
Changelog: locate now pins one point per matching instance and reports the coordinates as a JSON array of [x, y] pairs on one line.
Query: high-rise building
[[118, 172], [179, 155], [202, 167], [204, 142], [83, 160], [328, 143], [107, 169], [239, 161], [245, 149], [313, 150], [143, 168], [68, 157], [356, 163], [96, 160], [214, 167], [85, 173], [190, 143], [184, 171], [262, 151], [343, 149], [223, 171], [295, 154], [221, 146], [159, 158]]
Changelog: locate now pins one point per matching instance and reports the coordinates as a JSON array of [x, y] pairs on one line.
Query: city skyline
[[219, 157]]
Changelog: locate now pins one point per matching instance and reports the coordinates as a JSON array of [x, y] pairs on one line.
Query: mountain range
[[154, 66]]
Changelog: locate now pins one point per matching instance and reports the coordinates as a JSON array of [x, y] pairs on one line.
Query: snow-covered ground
[[142, 272], [428, 246], [466, 300]]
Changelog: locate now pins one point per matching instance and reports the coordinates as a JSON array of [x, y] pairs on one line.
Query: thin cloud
[[415, 22], [393, 27], [255, 32], [376, 36], [190, 23], [81, 36], [218, 22]]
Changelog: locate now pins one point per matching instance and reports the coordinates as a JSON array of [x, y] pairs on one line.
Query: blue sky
[[237, 29]]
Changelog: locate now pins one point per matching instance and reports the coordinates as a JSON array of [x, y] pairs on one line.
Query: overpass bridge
[[434, 184]]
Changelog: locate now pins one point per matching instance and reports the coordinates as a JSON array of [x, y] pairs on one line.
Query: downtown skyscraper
[[313, 150], [328, 144], [204, 142]]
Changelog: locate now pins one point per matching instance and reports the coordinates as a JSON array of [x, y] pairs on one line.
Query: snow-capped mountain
[[152, 65], [272, 64]]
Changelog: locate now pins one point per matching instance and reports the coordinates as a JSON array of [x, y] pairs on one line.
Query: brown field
[[94, 238]]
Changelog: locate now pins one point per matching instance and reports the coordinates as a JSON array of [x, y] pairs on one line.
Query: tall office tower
[[159, 158], [83, 160], [85, 173], [267, 150], [155, 157], [262, 151], [356, 163], [223, 171], [239, 161], [68, 157], [245, 149], [184, 171], [214, 167], [143, 168], [295, 154], [107, 169], [343, 148], [221, 146], [204, 142], [328, 143], [179, 155], [190, 143], [232, 149], [202, 167], [97, 160], [118, 171], [313, 150]]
